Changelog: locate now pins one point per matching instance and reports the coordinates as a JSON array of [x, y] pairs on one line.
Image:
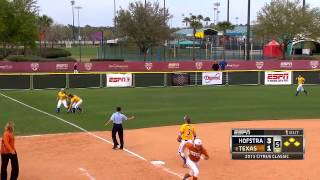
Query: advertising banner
[[212, 78], [119, 80], [180, 79], [114, 66], [278, 78]]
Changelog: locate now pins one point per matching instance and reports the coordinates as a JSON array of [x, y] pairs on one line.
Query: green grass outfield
[[87, 53], [159, 106]]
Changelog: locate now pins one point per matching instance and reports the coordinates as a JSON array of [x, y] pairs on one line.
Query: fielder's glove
[[179, 139]]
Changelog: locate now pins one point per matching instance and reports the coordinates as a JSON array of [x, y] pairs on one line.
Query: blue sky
[[100, 12]]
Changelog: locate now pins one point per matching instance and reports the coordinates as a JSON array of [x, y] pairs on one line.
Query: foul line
[[86, 131], [86, 173]]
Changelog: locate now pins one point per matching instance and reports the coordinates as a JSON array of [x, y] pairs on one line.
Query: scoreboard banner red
[[113, 66], [267, 144]]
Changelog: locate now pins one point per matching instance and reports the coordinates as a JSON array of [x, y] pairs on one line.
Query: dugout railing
[[98, 80]]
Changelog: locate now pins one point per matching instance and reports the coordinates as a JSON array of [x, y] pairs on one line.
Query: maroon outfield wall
[[34, 67]]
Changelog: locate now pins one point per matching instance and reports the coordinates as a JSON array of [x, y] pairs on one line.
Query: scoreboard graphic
[[267, 144]]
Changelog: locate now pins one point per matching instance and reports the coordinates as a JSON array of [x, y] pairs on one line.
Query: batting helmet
[[187, 118], [198, 142]]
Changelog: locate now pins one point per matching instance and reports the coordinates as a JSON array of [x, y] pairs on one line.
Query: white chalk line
[[86, 173], [87, 132]]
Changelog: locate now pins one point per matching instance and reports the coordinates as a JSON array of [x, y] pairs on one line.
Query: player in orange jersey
[[195, 152]]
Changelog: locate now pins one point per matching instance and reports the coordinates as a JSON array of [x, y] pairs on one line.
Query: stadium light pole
[[228, 11], [114, 12], [164, 21], [216, 10], [248, 31], [73, 33], [79, 34]]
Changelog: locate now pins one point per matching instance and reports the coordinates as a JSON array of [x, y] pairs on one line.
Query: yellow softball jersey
[[301, 80], [187, 132], [75, 99], [62, 95]]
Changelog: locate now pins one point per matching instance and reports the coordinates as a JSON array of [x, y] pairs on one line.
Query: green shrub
[[63, 59], [302, 57], [54, 53], [105, 60], [19, 58], [16, 58]]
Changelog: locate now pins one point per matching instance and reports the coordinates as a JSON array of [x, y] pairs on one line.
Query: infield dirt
[[76, 156]]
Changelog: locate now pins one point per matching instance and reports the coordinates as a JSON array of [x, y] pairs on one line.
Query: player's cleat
[[58, 110], [74, 110], [79, 109], [186, 176]]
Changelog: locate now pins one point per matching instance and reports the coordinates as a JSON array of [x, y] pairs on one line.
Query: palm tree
[[186, 20], [195, 23], [44, 24], [207, 20], [224, 26]]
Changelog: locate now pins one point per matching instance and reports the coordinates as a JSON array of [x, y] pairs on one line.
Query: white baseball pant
[[300, 88], [182, 143], [194, 167], [77, 104], [64, 102]]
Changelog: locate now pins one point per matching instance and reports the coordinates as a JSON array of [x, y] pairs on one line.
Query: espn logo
[[278, 76], [120, 79]]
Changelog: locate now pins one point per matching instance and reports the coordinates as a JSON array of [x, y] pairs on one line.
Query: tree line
[[21, 27]]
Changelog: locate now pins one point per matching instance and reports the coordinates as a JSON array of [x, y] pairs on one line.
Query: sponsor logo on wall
[[278, 78], [148, 66], [287, 65], [62, 66], [118, 66], [34, 66], [233, 66], [119, 80], [6, 67], [259, 64], [174, 65], [199, 65], [88, 66], [314, 64], [212, 78]]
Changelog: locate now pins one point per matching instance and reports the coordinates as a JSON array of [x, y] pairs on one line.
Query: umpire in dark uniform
[[117, 118]]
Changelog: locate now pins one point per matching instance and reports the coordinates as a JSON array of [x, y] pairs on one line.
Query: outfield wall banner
[[278, 78], [212, 78], [180, 79], [173, 66], [119, 80]]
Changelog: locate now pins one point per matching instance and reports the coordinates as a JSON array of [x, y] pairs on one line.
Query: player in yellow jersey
[[186, 135], [300, 88], [75, 102], [62, 99]]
